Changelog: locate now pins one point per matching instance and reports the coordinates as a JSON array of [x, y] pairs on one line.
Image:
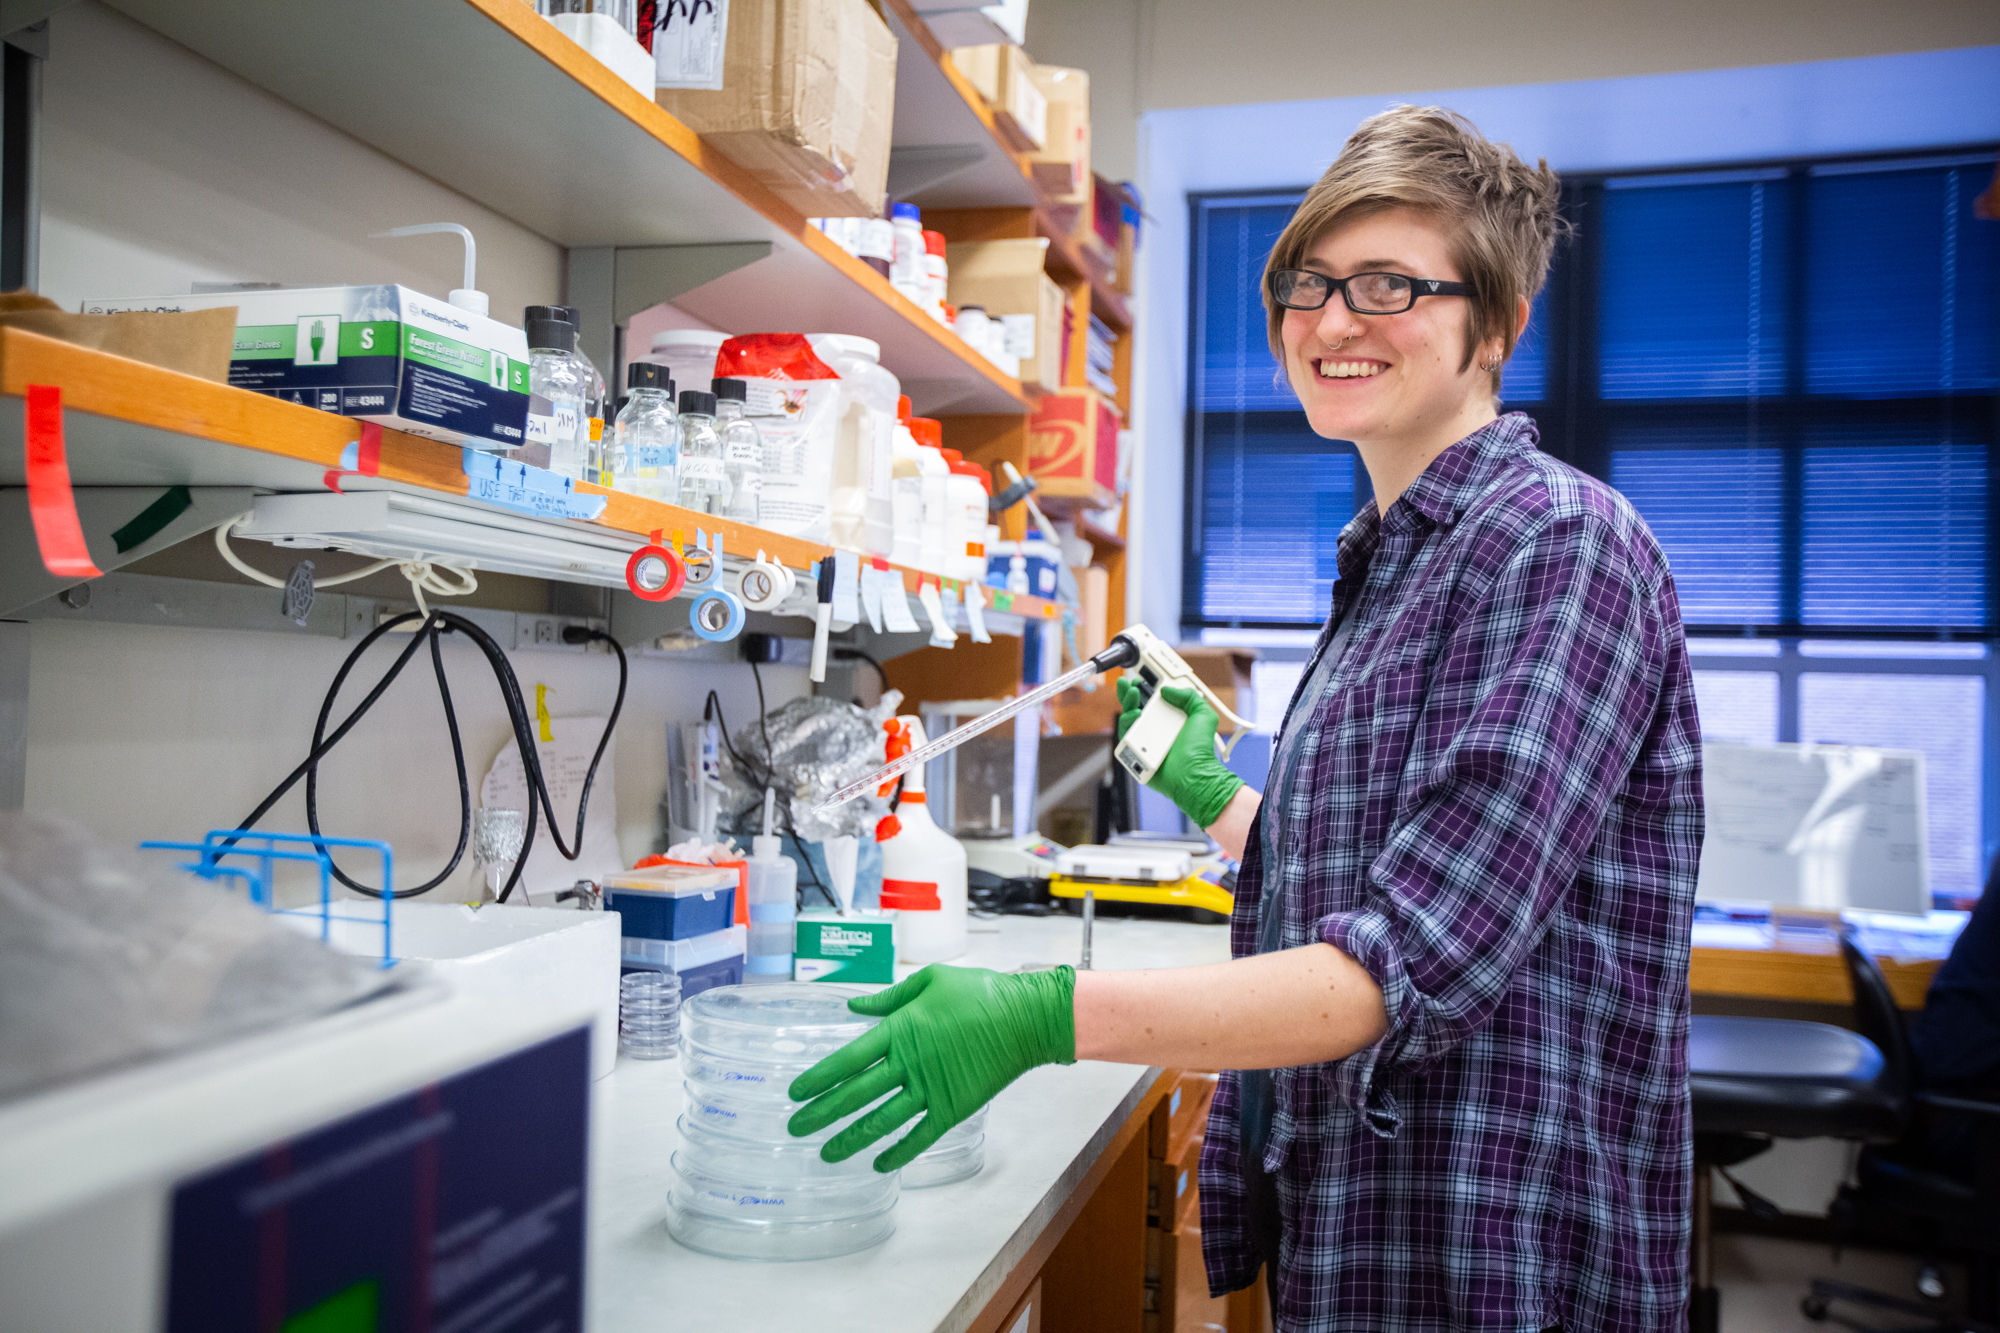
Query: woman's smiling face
[[1385, 378]]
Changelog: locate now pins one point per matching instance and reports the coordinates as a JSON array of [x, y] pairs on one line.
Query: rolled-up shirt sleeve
[[1532, 716]]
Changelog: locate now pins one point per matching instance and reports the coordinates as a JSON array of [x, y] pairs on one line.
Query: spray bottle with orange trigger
[[923, 867]]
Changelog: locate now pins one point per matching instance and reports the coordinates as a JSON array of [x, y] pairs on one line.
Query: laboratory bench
[[1062, 1200]]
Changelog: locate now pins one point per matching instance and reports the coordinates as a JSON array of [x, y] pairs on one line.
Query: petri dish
[[794, 1024]]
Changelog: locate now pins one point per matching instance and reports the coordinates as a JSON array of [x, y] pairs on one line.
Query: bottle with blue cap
[[906, 270]]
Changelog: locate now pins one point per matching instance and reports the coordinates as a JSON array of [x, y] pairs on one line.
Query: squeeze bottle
[[774, 903], [923, 867]]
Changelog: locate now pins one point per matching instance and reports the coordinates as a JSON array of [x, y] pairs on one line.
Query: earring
[[1489, 365]]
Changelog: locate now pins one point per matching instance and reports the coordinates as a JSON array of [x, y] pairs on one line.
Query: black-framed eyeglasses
[[1365, 293]]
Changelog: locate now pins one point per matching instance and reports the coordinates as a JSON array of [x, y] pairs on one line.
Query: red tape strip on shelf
[[363, 458], [50, 503]]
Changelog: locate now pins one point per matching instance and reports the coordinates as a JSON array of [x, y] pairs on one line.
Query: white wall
[[161, 169]]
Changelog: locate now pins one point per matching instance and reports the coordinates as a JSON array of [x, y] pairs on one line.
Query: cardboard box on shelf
[[1007, 278], [813, 131], [1062, 167], [1224, 670], [1093, 584], [1005, 77], [1074, 435]]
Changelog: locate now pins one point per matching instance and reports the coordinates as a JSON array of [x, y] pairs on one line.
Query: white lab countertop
[[954, 1244]]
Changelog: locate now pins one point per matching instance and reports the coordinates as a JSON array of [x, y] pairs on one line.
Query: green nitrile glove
[[1190, 776], [951, 1038]]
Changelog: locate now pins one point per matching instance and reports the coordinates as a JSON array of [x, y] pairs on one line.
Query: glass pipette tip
[[1121, 653]]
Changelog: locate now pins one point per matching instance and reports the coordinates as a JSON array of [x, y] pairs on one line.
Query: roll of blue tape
[[717, 615]]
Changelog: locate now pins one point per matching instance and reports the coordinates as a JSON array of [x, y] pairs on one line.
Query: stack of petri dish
[[742, 1187], [959, 1155], [649, 1009]]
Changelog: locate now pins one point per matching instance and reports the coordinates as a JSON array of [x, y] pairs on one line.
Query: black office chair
[[1938, 1195], [1754, 1080]]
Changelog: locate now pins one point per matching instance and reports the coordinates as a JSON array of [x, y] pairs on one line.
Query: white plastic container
[[688, 355], [864, 462], [964, 519], [923, 873], [906, 493], [933, 473]]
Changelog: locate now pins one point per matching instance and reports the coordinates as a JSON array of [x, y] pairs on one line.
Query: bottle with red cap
[[935, 273], [923, 867]]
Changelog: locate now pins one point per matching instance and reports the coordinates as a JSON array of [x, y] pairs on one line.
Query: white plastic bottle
[[906, 270], [864, 463], [688, 354], [773, 892], [742, 449], [935, 472], [556, 388], [965, 519], [923, 872], [906, 493], [646, 439], [704, 478]]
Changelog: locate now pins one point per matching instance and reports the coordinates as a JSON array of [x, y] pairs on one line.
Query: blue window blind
[[1894, 529], [1525, 379], [1269, 496], [1273, 505], [1717, 512], [1234, 370], [1900, 297], [1694, 287]]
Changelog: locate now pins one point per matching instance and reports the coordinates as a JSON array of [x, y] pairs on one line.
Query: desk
[[1744, 960]]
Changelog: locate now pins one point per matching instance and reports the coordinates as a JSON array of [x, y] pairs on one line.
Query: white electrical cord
[[424, 575]]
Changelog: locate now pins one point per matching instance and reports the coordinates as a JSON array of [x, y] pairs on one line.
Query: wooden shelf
[[938, 111], [1100, 538], [132, 424], [535, 128], [1070, 495]]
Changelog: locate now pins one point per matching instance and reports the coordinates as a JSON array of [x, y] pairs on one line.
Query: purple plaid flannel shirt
[[1498, 814]]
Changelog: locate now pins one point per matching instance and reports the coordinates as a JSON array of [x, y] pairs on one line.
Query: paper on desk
[[564, 762], [895, 602]]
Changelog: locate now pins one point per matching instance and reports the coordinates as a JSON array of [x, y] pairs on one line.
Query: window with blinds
[[1792, 371]]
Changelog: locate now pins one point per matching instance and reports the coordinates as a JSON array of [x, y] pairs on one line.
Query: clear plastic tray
[[776, 1242], [797, 1023]]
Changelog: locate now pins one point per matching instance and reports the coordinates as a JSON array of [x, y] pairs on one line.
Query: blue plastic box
[[672, 902]]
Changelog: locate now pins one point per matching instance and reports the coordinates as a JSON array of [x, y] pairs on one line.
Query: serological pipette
[[1140, 750]]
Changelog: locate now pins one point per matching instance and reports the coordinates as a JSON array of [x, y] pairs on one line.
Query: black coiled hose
[[435, 625]]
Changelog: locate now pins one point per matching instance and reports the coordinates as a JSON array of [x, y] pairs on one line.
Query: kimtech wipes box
[[386, 354], [856, 948]]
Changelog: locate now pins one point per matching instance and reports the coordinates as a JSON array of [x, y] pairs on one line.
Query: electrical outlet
[[545, 632]]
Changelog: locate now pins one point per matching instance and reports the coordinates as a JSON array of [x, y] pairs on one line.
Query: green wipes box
[[860, 947], [385, 354]]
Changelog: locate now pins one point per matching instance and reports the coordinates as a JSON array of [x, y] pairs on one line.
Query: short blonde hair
[[1501, 213]]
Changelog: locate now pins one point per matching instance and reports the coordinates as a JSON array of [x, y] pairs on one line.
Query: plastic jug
[[923, 868]]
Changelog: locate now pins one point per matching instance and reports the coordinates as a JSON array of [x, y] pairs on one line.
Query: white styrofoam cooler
[[554, 957]]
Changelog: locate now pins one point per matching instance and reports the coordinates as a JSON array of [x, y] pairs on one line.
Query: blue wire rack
[[249, 859]]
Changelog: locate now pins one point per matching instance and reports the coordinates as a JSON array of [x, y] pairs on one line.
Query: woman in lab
[[1459, 997]]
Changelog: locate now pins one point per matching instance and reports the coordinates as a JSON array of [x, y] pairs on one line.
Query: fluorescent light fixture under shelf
[[393, 525]]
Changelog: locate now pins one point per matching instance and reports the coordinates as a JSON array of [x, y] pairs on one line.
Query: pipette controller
[[1142, 748]]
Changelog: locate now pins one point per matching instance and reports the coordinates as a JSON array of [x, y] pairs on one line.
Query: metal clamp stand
[[1089, 919]]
